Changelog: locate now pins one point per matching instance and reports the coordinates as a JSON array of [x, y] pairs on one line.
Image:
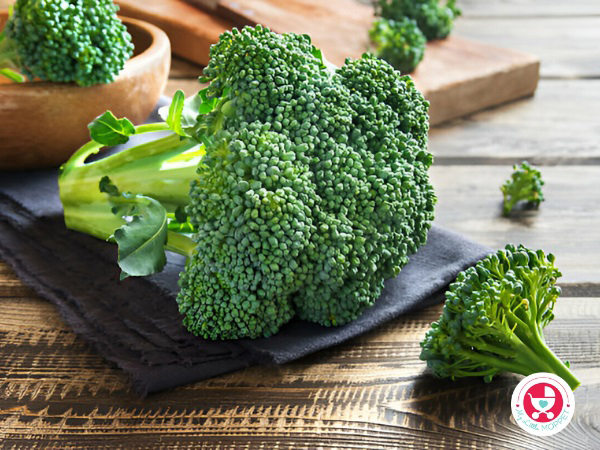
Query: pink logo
[[543, 404]]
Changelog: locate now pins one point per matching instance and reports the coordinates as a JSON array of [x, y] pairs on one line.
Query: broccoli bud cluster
[[434, 18], [400, 43], [80, 41], [313, 191], [525, 185], [494, 317]]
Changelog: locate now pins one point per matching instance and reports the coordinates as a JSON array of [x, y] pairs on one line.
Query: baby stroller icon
[[543, 404]]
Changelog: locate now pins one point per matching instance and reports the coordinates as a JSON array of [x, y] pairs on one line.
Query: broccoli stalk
[[525, 184], [494, 317], [158, 172], [80, 41]]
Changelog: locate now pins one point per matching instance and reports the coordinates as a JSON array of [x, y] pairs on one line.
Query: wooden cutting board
[[458, 76]]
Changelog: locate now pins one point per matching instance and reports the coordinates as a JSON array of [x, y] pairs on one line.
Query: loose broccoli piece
[[400, 43], [525, 184], [311, 190], [434, 19], [80, 41], [494, 317]]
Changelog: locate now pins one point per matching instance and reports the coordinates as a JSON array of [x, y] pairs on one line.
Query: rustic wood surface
[[372, 392], [458, 76]]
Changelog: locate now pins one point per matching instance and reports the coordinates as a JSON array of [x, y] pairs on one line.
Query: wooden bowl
[[42, 124]]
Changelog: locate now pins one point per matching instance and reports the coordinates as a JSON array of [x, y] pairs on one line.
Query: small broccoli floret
[[312, 191], [80, 41], [525, 184], [400, 43], [494, 317], [434, 18]]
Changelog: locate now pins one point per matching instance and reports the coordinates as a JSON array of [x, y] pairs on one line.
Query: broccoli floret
[[524, 185], [80, 41], [400, 43], [494, 317], [434, 18], [312, 190]]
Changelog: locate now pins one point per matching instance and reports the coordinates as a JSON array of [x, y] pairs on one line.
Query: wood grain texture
[[557, 126], [521, 8], [458, 76], [369, 393], [372, 392], [566, 224], [190, 29], [567, 46]]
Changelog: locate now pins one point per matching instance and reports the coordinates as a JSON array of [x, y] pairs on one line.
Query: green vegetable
[[400, 43], [494, 317], [311, 190], [525, 184], [80, 41], [434, 18]]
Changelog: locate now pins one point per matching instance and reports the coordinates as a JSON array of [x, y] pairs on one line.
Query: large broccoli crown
[[435, 18], [79, 41], [494, 317], [313, 190]]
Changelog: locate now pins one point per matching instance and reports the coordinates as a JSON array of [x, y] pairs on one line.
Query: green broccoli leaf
[[143, 237], [175, 111], [206, 104], [182, 114], [108, 130]]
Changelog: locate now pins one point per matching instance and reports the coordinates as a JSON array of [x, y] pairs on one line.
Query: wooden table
[[372, 392]]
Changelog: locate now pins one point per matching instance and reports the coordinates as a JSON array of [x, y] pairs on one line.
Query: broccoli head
[[525, 184], [312, 190], [434, 19], [494, 317], [400, 43], [80, 41]]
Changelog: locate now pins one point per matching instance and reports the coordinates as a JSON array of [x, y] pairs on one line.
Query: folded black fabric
[[135, 323]]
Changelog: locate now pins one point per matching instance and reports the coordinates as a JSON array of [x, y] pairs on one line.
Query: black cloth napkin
[[135, 323]]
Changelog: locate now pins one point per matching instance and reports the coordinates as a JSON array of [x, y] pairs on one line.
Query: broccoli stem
[[161, 169], [541, 359]]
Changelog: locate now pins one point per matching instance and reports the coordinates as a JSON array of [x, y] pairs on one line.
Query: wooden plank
[[566, 223], [190, 29], [568, 46], [557, 126], [368, 393], [458, 76], [522, 8]]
